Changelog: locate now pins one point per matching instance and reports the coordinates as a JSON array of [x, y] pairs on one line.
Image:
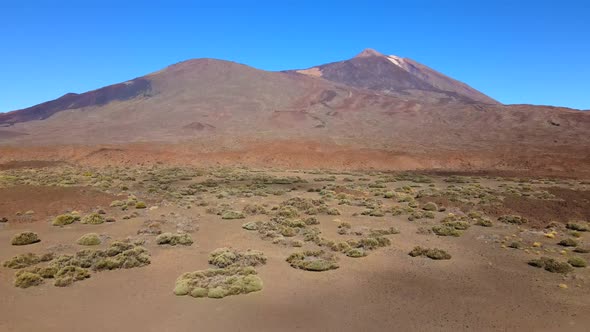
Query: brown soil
[[569, 205], [29, 164], [48, 201]]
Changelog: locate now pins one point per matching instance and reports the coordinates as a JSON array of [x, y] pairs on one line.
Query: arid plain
[[287, 249]]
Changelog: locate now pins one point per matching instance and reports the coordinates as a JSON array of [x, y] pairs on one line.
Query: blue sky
[[534, 52]]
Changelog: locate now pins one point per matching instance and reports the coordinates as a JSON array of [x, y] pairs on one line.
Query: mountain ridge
[[224, 110]]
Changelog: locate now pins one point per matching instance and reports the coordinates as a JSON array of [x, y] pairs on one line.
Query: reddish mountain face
[[397, 77], [370, 111], [103, 96]]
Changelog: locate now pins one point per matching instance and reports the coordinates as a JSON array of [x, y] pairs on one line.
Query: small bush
[[578, 227], [512, 219], [436, 254], [250, 226], [313, 261], [218, 283], [515, 245], [254, 209], [356, 252], [224, 257], [26, 260], [65, 219], [232, 215], [333, 212], [551, 265], [90, 239], [184, 239], [140, 205], [568, 243], [287, 212], [430, 206], [484, 222], [93, 219], [25, 238], [70, 274], [442, 230], [577, 262], [27, 279]]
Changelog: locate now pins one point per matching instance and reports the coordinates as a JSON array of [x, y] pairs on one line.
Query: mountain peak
[[367, 53]]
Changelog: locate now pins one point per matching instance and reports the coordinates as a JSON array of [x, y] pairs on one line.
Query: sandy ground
[[483, 287]]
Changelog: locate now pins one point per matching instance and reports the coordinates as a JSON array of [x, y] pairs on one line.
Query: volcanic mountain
[[396, 76], [373, 110]]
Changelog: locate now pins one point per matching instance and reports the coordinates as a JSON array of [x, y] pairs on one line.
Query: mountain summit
[[397, 76], [367, 53]]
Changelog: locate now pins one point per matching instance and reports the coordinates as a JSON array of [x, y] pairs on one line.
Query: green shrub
[[25, 238], [512, 219], [356, 252], [224, 257], [568, 243], [333, 212], [90, 239], [578, 227], [26, 260], [442, 230], [254, 209], [65, 219], [228, 214], [515, 245], [430, 206], [250, 226], [140, 205], [218, 283], [296, 243], [27, 279], [434, 253], [577, 262], [70, 274], [484, 222], [313, 261], [551, 265], [287, 212], [93, 219], [184, 239]]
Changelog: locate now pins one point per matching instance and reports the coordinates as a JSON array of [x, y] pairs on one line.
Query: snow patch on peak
[[396, 60]]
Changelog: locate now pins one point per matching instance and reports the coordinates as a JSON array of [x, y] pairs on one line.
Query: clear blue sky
[[515, 51]]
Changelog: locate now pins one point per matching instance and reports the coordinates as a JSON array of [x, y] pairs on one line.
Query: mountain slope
[[210, 111], [398, 77]]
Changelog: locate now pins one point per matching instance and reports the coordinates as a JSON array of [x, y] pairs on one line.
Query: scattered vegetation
[[184, 239], [512, 219], [434, 253], [27, 279], [25, 238], [224, 257], [578, 227], [93, 219], [65, 219], [569, 242], [218, 283], [229, 214], [26, 260], [551, 265], [577, 262], [90, 239], [313, 260]]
